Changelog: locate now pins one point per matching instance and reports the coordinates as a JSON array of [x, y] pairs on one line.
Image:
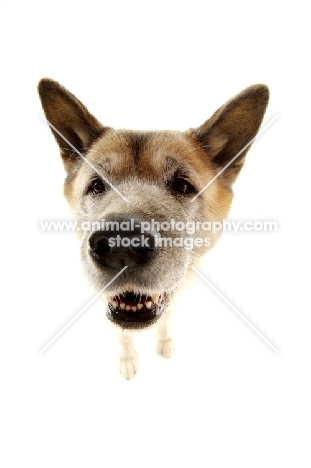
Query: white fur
[[128, 355]]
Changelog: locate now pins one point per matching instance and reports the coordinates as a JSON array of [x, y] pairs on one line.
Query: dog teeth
[[146, 302]]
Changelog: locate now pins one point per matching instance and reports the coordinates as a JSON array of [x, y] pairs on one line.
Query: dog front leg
[[165, 344], [128, 355]]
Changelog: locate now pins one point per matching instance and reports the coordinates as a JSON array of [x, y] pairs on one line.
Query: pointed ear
[[231, 128], [71, 118]]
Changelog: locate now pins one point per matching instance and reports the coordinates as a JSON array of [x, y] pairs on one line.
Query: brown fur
[[144, 167]]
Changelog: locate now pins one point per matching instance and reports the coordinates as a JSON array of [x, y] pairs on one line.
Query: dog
[[137, 190]]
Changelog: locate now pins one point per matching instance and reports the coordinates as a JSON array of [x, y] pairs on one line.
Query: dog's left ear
[[231, 128]]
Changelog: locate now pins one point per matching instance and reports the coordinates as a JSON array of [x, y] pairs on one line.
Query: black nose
[[122, 241]]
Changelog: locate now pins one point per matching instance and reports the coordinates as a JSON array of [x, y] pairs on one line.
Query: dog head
[[145, 197]]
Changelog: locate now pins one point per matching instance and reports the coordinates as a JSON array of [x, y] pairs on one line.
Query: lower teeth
[[148, 304]]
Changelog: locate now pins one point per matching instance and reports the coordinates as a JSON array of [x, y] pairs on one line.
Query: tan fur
[[144, 166]]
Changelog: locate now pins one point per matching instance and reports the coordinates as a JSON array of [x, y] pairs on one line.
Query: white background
[[225, 399]]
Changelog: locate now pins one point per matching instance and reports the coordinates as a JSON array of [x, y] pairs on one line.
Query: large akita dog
[[138, 193]]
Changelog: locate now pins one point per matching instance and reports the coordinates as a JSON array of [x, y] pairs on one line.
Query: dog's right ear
[[71, 119]]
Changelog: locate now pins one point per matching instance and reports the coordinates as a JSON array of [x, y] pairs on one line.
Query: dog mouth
[[130, 310]]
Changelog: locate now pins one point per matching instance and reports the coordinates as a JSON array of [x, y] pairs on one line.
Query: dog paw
[[165, 347], [128, 367]]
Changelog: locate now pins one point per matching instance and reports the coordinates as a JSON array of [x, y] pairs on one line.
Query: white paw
[[128, 367], [165, 347]]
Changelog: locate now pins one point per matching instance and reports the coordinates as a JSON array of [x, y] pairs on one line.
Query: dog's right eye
[[96, 187]]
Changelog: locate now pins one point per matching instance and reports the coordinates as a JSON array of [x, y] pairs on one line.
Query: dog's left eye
[[182, 186], [96, 187]]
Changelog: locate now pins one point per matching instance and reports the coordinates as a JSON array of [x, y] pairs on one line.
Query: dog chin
[[136, 310]]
